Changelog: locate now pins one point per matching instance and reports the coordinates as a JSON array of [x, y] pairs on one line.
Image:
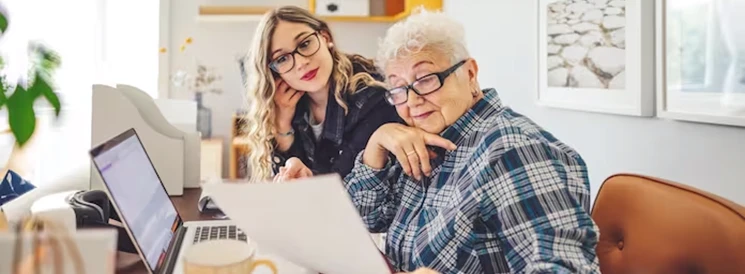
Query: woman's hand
[[285, 99], [422, 271], [293, 169], [408, 144]]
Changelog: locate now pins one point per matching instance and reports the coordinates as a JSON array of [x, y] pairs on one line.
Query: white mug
[[223, 257]]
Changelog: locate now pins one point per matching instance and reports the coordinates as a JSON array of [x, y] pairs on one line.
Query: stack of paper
[[310, 222]]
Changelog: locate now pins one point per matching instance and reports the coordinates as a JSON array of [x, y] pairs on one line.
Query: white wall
[[218, 44], [705, 156], [502, 37]]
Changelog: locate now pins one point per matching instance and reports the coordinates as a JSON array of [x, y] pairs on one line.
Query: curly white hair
[[423, 30]]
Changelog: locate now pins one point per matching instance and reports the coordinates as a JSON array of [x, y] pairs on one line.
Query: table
[[186, 205]]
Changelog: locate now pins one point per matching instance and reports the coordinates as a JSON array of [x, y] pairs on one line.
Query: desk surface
[[186, 205]]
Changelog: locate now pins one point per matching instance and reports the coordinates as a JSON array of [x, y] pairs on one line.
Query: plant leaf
[[3, 23], [34, 90], [42, 87], [3, 86], [48, 59], [21, 116], [3, 97]]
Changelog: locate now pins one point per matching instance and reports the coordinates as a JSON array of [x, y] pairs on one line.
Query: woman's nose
[[413, 99], [301, 61]]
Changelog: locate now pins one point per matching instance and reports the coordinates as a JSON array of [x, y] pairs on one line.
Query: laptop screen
[[136, 189]]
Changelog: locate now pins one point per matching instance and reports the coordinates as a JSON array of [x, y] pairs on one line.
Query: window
[[131, 43], [100, 42]]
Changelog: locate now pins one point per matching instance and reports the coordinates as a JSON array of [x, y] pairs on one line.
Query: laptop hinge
[[173, 251]]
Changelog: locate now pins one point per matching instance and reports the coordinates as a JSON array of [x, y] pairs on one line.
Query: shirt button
[[276, 159]]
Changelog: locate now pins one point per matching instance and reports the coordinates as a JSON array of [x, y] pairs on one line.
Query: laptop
[[138, 195]]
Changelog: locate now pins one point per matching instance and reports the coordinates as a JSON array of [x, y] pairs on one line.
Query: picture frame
[[597, 56], [695, 89]]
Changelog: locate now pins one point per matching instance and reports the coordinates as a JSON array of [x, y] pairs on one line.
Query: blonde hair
[[260, 86]]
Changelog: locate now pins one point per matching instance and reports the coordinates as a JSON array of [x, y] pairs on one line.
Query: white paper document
[[310, 222]]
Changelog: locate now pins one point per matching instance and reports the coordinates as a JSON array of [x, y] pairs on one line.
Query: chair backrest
[[650, 225]]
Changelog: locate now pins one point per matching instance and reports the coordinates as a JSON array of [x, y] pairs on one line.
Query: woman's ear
[[473, 70], [327, 39]]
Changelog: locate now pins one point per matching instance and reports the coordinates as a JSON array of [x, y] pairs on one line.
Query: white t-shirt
[[317, 127]]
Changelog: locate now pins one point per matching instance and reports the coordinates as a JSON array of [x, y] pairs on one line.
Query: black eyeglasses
[[422, 86], [307, 48]]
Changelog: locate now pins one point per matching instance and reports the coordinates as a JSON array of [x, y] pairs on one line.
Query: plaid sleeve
[[537, 200], [373, 192]]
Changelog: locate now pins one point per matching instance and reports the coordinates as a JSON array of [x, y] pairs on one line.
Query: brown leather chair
[[650, 225]]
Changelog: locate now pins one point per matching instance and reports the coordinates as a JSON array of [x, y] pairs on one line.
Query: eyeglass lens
[[423, 86], [306, 48]]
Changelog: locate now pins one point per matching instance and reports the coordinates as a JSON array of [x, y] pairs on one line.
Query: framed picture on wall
[[701, 61], [597, 55]]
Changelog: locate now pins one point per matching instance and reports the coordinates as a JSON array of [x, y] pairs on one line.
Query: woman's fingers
[[304, 173], [286, 95], [295, 168], [414, 161], [280, 175], [295, 97], [402, 159], [423, 154], [281, 87], [294, 171], [283, 90], [409, 145], [437, 140], [418, 157]]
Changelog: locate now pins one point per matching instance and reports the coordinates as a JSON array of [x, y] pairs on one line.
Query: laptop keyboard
[[206, 233]]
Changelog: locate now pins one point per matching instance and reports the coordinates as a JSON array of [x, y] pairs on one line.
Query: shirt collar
[[333, 124], [485, 107]]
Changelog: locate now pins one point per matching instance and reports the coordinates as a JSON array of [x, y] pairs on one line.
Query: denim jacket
[[343, 136]]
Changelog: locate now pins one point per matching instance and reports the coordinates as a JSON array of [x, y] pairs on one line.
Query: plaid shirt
[[510, 199]]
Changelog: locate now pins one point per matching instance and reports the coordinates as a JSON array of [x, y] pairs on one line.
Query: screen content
[[143, 203]]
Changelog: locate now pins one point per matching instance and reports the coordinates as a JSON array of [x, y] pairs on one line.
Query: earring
[[331, 45]]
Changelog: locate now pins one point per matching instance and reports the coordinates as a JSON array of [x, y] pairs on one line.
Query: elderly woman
[[468, 185]]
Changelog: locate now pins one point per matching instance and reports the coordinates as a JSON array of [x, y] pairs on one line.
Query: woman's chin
[[314, 85], [433, 127]]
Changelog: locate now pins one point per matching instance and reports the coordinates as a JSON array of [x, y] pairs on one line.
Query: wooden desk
[[186, 205]]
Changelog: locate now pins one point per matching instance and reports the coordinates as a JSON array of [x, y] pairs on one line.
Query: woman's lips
[[422, 116], [310, 75]]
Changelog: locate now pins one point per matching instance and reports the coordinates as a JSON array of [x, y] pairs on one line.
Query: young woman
[[308, 100]]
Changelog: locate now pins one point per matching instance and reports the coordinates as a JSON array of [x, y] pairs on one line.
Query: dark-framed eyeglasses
[[306, 48], [422, 86]]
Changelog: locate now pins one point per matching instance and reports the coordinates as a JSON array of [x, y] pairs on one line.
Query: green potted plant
[[18, 99]]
